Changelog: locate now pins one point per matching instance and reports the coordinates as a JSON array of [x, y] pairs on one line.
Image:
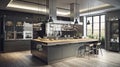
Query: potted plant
[[102, 40]]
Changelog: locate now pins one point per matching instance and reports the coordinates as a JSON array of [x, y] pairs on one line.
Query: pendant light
[[88, 22], [76, 21], [50, 19]]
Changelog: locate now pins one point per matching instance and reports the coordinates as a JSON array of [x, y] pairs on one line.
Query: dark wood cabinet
[[114, 44]]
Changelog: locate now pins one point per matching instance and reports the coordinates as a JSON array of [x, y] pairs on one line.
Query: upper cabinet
[[19, 26], [18, 30], [9, 30], [9, 25]]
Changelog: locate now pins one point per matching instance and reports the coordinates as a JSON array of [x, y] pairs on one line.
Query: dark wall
[[113, 14], [15, 16], [30, 17]]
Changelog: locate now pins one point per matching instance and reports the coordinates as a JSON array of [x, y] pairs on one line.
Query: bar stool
[[81, 51], [89, 49], [97, 48]]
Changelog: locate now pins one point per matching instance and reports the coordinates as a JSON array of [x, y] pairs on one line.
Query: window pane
[[9, 35], [19, 35], [96, 19], [96, 27], [102, 18], [102, 32], [102, 25], [89, 32], [89, 27], [96, 33], [96, 22]]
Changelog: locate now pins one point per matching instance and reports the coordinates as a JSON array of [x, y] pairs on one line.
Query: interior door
[[1, 35]]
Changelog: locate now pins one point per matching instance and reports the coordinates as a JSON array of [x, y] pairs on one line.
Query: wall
[[113, 14], [30, 16], [18, 45]]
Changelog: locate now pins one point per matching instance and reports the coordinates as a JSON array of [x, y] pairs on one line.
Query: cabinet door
[[54, 53], [114, 46], [69, 50], [114, 35]]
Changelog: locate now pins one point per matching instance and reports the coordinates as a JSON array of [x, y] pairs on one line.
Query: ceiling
[[63, 6]]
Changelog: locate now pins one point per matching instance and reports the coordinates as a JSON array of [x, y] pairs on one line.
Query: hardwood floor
[[25, 59]]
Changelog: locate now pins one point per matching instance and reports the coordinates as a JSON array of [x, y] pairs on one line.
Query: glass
[[89, 27], [9, 35], [96, 21], [102, 25], [19, 35]]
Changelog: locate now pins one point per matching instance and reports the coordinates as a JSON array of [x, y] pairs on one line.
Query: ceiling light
[[95, 7], [13, 5], [63, 13], [26, 7]]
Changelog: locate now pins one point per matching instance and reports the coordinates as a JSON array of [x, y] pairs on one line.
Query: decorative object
[[9, 23], [19, 24]]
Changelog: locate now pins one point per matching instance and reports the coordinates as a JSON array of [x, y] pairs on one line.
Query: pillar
[[74, 11], [51, 9]]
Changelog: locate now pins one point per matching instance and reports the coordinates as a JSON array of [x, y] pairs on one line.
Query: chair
[[81, 51], [98, 47], [89, 49]]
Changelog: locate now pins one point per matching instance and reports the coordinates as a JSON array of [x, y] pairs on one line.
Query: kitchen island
[[53, 50]]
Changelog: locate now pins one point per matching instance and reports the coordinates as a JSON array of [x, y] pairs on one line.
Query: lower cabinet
[[54, 53], [114, 46], [49, 54], [16, 45]]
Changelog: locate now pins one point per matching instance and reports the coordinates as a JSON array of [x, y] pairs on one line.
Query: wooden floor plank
[[25, 59]]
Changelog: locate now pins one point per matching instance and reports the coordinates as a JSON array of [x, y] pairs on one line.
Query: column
[[84, 27], [74, 11], [51, 8]]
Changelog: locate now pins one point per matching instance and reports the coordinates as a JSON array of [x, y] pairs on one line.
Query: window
[[96, 28], [102, 25]]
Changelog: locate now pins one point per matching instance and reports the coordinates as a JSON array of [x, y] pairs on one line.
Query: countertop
[[48, 42]]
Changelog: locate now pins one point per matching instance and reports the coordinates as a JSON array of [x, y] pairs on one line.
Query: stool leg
[[101, 51]]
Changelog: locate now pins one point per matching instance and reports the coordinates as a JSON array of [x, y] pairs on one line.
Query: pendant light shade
[[76, 22], [88, 22], [50, 19]]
